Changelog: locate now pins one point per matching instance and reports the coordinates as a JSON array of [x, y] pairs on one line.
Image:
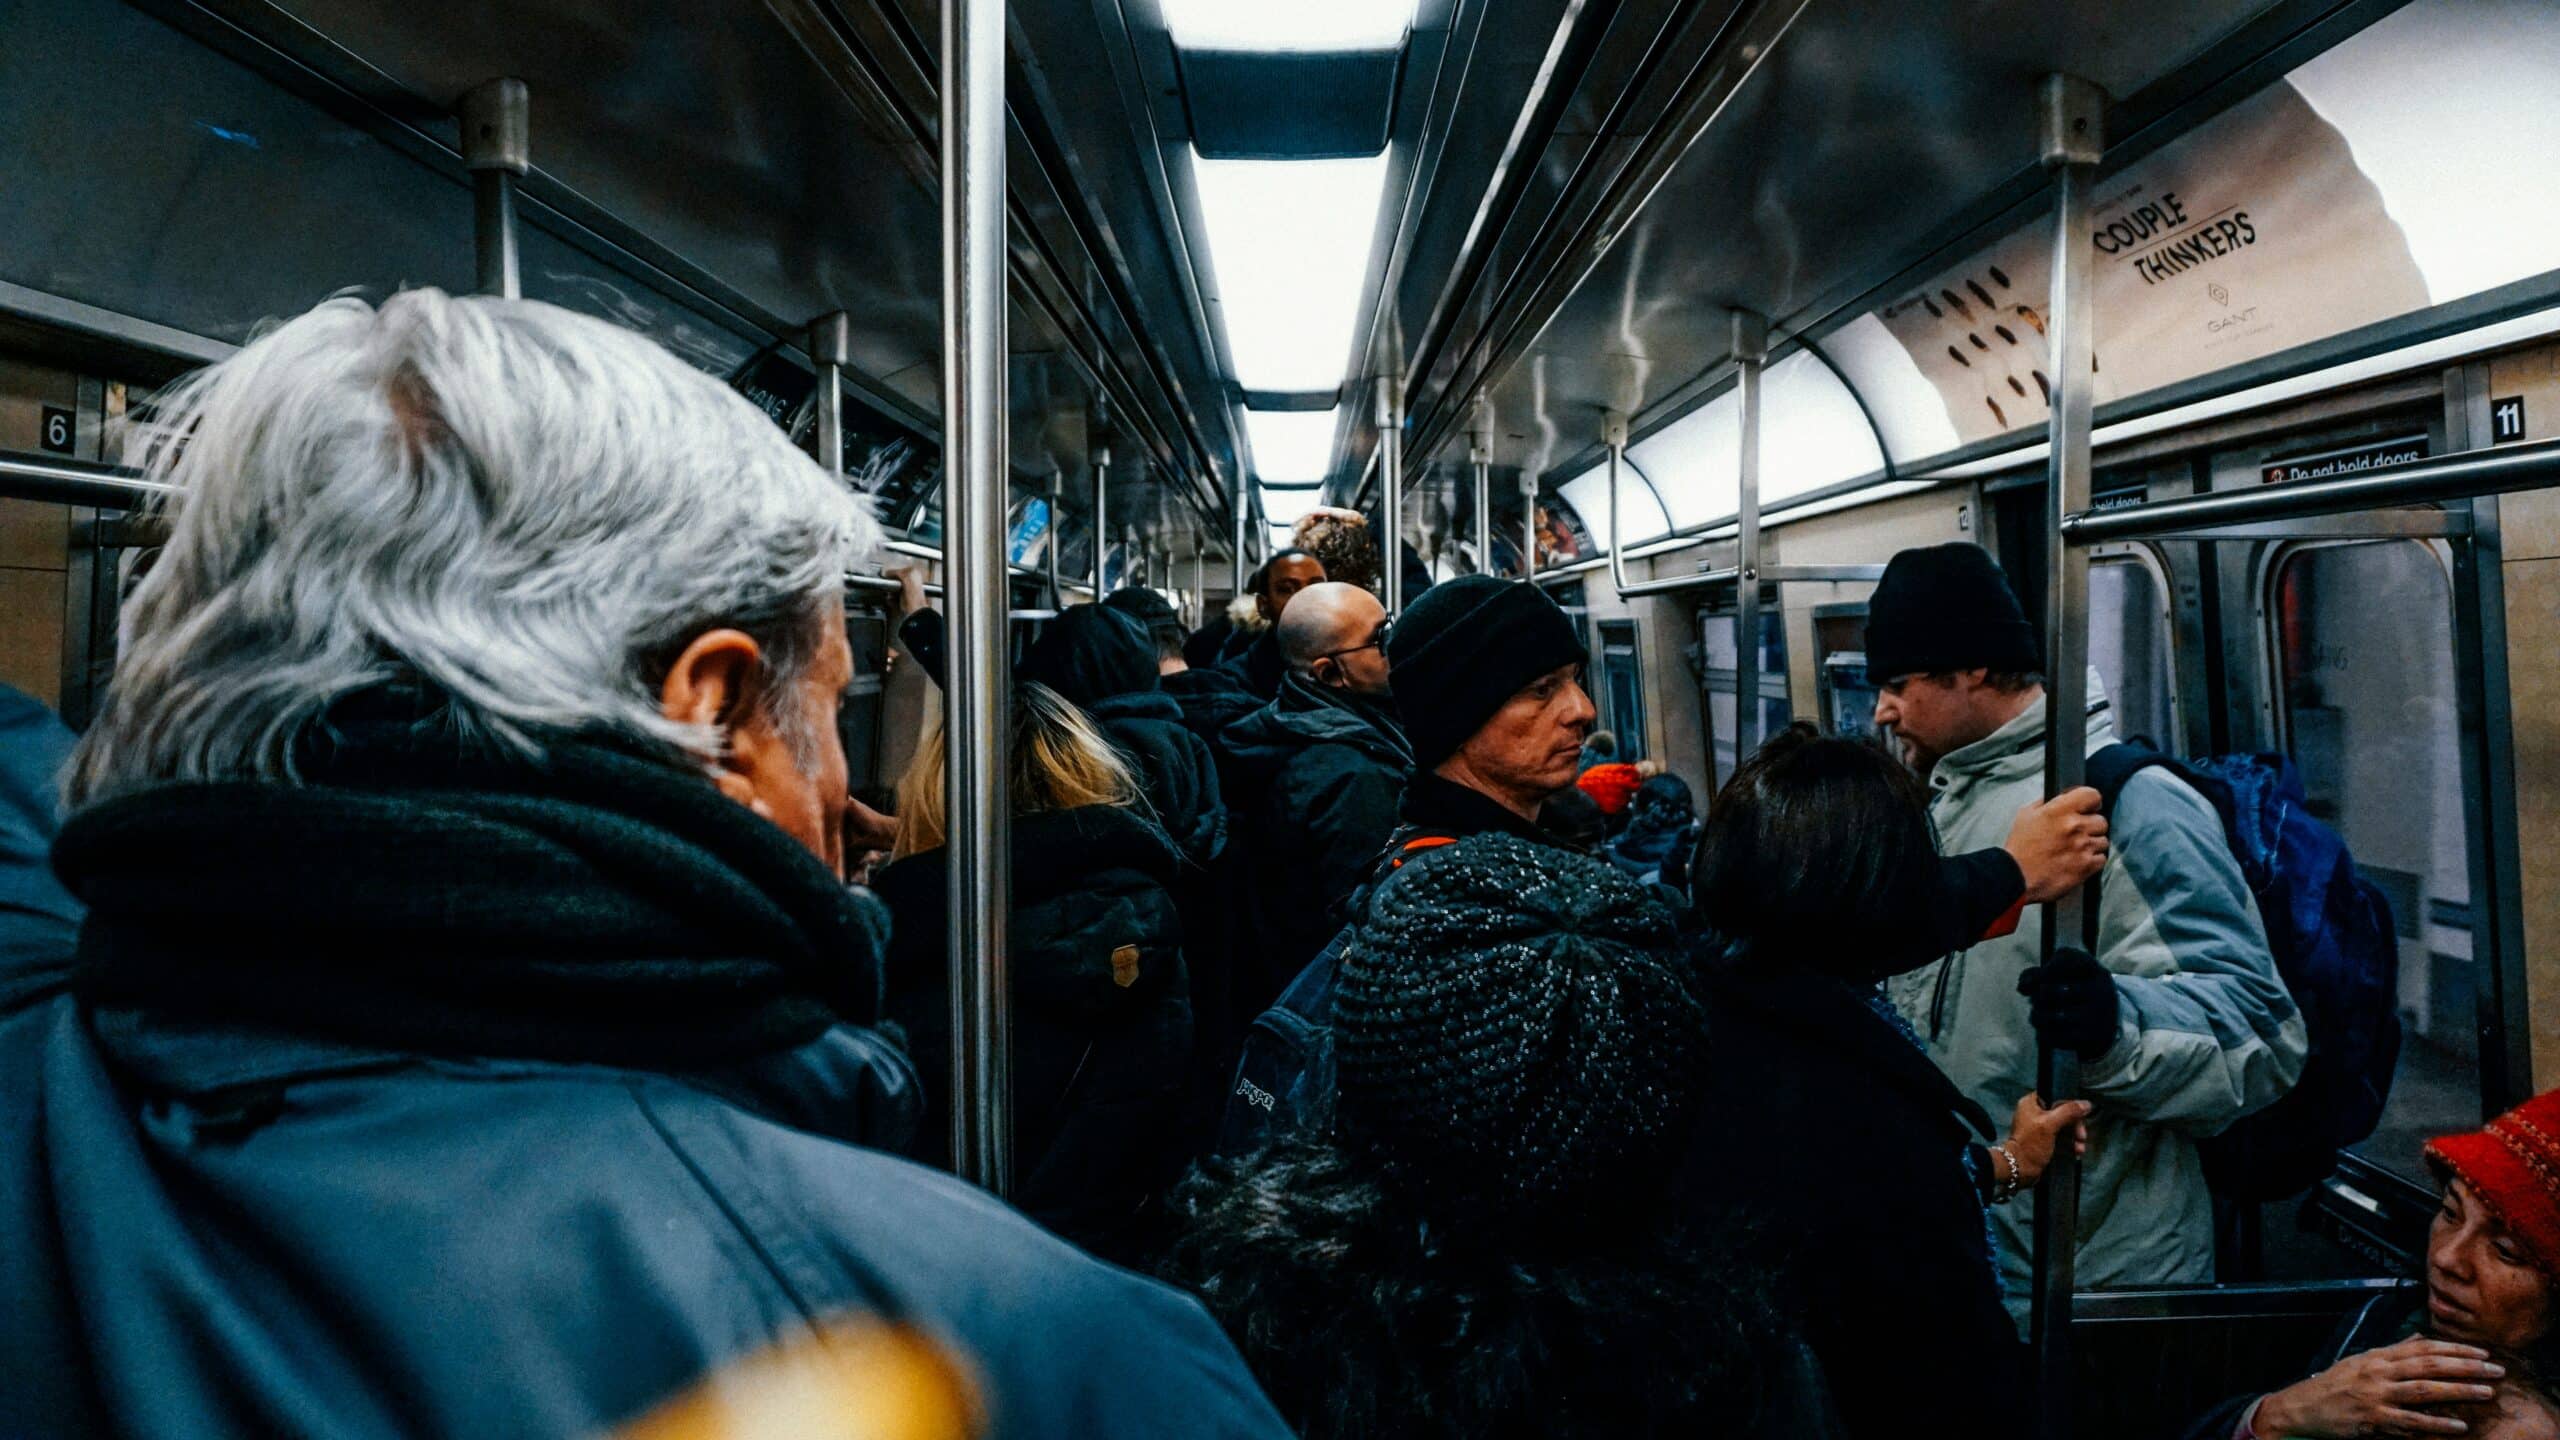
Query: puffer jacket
[[1102, 1025], [1101, 661], [2206, 1032], [1316, 777]]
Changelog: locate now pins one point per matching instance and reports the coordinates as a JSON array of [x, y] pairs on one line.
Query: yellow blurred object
[[854, 1381]]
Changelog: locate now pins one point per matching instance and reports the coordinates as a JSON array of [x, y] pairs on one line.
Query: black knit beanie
[[1947, 607], [1466, 646], [1516, 1044]]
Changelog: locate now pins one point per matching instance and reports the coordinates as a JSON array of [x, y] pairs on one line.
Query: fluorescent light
[[1289, 245], [1282, 537], [1283, 507], [1588, 494], [1291, 447], [1300, 26]]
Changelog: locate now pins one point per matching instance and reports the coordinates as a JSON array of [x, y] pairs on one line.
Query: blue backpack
[[2335, 946]]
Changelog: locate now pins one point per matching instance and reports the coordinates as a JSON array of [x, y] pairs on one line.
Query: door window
[[1621, 688], [2129, 633], [2362, 638], [1717, 631]]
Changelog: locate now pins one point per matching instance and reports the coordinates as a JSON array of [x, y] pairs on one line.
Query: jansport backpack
[[2335, 946]]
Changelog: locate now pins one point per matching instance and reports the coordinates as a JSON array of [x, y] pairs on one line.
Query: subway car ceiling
[[1525, 216]]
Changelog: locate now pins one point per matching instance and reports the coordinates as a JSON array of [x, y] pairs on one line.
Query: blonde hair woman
[[1102, 1024]]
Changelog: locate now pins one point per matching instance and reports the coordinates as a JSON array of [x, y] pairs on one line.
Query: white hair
[[528, 510]]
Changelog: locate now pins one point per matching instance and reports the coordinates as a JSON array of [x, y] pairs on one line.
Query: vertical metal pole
[[497, 146], [1750, 353], [1243, 508], [975, 451], [1101, 513], [1057, 536], [1199, 577], [831, 349], [1528, 525], [1391, 493], [2071, 114], [1480, 461]]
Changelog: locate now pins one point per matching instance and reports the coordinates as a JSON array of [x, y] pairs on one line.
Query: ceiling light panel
[[1292, 26], [1284, 507], [1289, 245], [1291, 447]]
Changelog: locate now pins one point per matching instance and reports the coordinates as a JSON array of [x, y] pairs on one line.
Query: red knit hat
[[1613, 785], [2514, 1167]]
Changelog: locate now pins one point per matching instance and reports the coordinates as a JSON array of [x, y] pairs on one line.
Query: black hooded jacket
[[1258, 664], [1212, 698], [1101, 661], [1316, 776], [1827, 1133], [1101, 1003]]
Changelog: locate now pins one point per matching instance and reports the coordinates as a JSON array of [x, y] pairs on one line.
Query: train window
[[2361, 635], [1717, 631], [1845, 700], [2129, 629], [1621, 687]]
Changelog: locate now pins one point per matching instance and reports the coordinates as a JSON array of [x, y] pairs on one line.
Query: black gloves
[[2072, 1001]]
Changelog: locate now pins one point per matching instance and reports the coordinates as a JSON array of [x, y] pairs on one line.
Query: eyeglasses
[[1376, 642]]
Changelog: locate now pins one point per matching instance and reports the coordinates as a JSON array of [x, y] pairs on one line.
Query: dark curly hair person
[[1485, 1246]]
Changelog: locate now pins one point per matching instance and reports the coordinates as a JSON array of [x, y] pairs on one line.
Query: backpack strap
[[2108, 770]]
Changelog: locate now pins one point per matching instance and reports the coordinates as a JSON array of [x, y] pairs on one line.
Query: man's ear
[[1972, 679], [716, 682]]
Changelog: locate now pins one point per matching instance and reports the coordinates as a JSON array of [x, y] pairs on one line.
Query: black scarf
[[597, 906]]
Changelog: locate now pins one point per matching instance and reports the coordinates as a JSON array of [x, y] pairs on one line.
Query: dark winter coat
[[1102, 1027], [1259, 664], [1827, 1133], [1212, 698], [1364, 1321], [508, 1106], [39, 921], [1315, 776]]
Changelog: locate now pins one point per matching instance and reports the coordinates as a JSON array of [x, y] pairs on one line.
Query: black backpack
[[2331, 932]]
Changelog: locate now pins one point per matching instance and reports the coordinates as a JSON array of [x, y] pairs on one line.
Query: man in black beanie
[[2181, 1021], [1488, 682]]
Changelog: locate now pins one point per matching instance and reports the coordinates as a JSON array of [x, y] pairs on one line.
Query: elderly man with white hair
[[470, 1033]]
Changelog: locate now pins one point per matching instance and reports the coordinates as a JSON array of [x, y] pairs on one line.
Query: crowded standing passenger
[[1487, 677], [1661, 830], [1097, 986], [2181, 1022], [471, 1033], [1211, 698], [1817, 878], [1260, 663], [1100, 661], [1315, 776], [1487, 1243]]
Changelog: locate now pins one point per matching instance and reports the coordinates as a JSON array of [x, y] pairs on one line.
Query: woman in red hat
[[2486, 1358]]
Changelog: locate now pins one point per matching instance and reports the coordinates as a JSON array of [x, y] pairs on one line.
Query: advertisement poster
[[2251, 236]]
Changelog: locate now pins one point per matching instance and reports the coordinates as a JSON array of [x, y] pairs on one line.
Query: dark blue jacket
[[39, 921], [213, 1232]]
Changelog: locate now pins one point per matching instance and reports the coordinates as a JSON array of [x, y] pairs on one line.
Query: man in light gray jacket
[[2186, 1028]]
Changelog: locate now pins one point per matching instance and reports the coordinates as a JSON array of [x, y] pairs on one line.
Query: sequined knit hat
[[1516, 1038]]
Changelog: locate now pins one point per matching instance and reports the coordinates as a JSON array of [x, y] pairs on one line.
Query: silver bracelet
[[2003, 1190]]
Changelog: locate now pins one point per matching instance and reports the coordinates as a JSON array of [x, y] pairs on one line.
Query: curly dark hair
[[1363, 1318], [1349, 552]]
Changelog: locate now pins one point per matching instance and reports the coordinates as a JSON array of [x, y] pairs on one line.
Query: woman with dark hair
[[1487, 1245], [1825, 1130]]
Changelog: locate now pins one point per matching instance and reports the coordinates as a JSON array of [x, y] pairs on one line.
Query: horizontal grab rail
[[2462, 476], [70, 482]]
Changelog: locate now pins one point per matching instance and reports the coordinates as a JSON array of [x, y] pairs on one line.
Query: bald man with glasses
[[1313, 780]]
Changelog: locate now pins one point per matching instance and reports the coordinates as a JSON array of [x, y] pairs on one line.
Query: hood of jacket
[[1306, 715], [1090, 653], [1134, 705]]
